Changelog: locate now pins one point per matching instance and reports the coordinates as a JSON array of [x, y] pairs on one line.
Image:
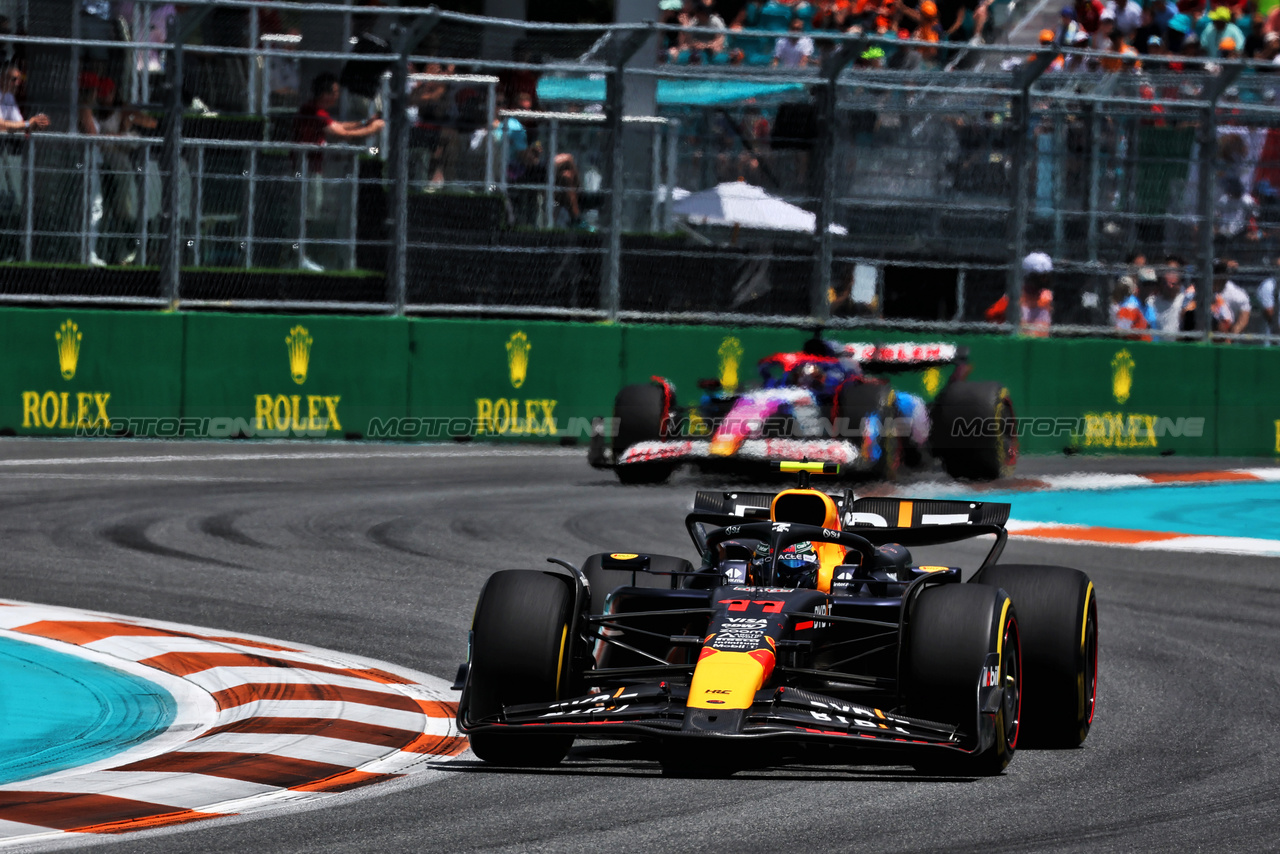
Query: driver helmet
[[798, 566], [808, 376]]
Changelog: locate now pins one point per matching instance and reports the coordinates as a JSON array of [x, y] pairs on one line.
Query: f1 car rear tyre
[[1058, 613], [974, 431], [640, 412], [520, 653], [956, 632], [869, 406]]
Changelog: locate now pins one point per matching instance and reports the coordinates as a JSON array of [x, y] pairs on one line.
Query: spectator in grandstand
[[1068, 28], [315, 125], [11, 120], [518, 82], [1170, 306], [1231, 309], [434, 137], [1036, 298], [1087, 14], [1147, 30], [1217, 29], [835, 15], [794, 50], [703, 48], [1127, 15], [1267, 301], [12, 151], [1126, 310]]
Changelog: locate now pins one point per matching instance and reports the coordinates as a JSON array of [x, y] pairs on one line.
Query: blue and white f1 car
[[830, 402]]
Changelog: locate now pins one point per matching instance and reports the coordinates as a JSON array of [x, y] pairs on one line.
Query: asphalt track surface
[[380, 551]]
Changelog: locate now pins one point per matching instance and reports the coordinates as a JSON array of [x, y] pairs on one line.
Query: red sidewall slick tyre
[[640, 413], [953, 630], [520, 653], [1058, 610]]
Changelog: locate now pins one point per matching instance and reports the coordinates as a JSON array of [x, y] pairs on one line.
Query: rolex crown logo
[[299, 343], [518, 348], [932, 381], [68, 337], [1122, 375], [730, 353]]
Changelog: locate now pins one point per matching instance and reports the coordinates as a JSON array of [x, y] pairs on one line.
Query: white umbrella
[[737, 203]]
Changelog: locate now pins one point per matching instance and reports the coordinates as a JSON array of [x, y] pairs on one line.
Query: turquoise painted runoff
[[60, 711], [1226, 509]]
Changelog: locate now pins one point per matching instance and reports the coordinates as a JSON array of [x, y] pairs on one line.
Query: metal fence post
[[1208, 155], [171, 260], [1024, 76], [407, 38], [823, 180], [623, 48]]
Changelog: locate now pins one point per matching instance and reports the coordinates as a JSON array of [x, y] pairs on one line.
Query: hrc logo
[[68, 338], [299, 343]]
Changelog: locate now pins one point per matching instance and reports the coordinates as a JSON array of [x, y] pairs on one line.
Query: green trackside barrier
[[1248, 385], [276, 376], [1123, 397], [90, 373], [517, 380]]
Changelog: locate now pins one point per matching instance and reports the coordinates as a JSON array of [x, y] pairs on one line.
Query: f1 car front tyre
[[864, 411], [974, 431], [641, 412], [520, 653], [964, 650], [1058, 612]]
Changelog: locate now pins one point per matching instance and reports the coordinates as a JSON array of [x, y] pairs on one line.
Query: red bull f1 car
[[830, 402], [805, 624]]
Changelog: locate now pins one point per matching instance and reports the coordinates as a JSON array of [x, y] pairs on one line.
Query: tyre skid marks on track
[[282, 724]]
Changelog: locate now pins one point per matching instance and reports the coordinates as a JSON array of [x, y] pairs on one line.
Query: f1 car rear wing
[[863, 512], [904, 356]]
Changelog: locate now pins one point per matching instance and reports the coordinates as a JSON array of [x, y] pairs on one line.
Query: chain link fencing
[[478, 167]]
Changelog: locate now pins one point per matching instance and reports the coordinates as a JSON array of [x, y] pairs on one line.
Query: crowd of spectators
[[1169, 30], [1153, 304], [805, 22]]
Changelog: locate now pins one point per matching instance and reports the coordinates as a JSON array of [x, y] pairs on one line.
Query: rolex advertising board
[[294, 376], [1120, 397], [507, 380], [1248, 401], [90, 373]]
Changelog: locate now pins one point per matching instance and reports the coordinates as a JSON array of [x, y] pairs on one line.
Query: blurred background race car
[[831, 402]]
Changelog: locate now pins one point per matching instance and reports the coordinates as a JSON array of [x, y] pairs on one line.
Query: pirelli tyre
[[520, 653], [974, 430], [641, 413], [863, 412], [1058, 615], [963, 666]]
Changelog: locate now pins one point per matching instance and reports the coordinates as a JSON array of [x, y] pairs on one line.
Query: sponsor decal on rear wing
[[913, 513], [907, 355]]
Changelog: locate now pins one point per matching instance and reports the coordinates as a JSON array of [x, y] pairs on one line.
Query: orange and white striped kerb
[[260, 724]]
